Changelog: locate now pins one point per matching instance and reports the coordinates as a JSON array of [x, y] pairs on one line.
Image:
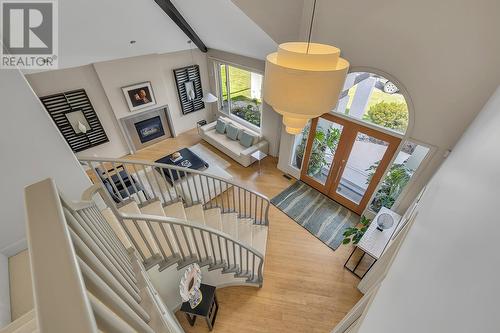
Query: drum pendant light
[[303, 80]]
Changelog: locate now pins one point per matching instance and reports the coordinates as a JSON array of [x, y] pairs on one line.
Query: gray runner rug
[[320, 215]]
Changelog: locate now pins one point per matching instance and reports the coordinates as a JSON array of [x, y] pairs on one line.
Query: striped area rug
[[320, 215]]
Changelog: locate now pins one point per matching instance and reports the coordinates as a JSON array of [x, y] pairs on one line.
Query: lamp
[[303, 80], [209, 98], [384, 221]]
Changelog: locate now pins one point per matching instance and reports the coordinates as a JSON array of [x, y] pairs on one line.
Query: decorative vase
[[195, 298], [189, 287]]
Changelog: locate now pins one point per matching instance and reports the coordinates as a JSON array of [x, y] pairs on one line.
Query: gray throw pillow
[[246, 139], [232, 131], [221, 126]]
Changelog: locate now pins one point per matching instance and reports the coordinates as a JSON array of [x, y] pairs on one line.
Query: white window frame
[[227, 112]]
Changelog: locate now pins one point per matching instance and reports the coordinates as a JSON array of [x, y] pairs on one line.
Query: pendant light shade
[[209, 98], [303, 81]]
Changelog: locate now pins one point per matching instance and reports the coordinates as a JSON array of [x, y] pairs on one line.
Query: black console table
[[207, 309]]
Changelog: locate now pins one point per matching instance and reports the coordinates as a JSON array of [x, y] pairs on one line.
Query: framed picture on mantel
[[139, 96]]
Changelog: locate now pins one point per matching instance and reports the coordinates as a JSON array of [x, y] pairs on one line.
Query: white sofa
[[233, 148]]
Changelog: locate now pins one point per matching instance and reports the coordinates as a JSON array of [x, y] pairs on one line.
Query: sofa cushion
[[221, 126], [232, 131], [246, 139]]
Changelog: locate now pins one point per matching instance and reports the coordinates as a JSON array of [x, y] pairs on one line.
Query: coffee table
[[189, 160]]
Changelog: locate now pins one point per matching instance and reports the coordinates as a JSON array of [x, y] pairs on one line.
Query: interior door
[[346, 160]]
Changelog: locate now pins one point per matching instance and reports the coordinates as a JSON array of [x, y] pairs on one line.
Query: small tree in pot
[[324, 140]]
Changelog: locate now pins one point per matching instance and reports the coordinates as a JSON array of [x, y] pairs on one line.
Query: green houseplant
[[392, 185], [354, 234], [323, 140]]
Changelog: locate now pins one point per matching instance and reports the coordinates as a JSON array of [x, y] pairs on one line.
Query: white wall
[[271, 122], [158, 69], [445, 277], [287, 12], [4, 291], [444, 53], [51, 82], [32, 149]]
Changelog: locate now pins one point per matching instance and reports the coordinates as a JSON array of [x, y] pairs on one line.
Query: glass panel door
[[326, 140], [323, 154], [363, 161]]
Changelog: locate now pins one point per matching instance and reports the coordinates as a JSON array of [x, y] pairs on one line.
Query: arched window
[[374, 99]]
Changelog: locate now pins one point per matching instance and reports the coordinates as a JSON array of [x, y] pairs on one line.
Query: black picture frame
[[189, 76], [60, 105]]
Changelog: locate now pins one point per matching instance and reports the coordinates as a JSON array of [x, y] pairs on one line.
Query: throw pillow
[[246, 139], [221, 126], [232, 131]]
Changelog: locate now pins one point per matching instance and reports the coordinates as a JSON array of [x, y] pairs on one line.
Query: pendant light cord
[[191, 51], [311, 27]]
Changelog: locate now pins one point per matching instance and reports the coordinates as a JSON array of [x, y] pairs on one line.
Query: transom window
[[373, 99], [240, 94]]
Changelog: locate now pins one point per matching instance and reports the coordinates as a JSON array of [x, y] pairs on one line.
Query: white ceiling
[[222, 25], [92, 30]]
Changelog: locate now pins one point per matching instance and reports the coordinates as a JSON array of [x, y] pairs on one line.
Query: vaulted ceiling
[[92, 31]]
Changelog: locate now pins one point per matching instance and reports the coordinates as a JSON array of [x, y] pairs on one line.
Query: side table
[[207, 309], [259, 156]]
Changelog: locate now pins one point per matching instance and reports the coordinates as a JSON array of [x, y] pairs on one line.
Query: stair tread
[[245, 231], [113, 222], [154, 208], [230, 224], [175, 210], [130, 208], [195, 214], [213, 218], [21, 323], [259, 238], [133, 208]]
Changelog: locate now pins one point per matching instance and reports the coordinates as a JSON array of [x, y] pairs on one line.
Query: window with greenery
[[404, 166], [374, 99], [240, 93]]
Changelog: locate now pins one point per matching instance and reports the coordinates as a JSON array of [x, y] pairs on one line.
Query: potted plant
[[323, 140], [394, 182], [354, 234]]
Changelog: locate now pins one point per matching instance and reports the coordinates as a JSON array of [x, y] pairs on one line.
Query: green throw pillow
[[246, 139], [232, 131], [221, 126]]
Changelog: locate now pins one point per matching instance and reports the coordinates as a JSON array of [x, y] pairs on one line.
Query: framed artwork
[[76, 119], [188, 82], [139, 96]]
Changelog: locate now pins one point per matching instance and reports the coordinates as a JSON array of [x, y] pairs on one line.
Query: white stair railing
[[84, 278], [145, 181]]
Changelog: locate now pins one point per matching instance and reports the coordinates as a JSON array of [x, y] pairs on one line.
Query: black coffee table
[[207, 309], [193, 160]]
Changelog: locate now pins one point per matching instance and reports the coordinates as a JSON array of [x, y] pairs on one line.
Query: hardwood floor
[[306, 288]]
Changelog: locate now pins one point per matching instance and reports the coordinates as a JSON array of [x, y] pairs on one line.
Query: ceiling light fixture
[[303, 80]]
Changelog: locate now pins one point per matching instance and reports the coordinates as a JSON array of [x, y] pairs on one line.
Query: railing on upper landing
[[145, 181]]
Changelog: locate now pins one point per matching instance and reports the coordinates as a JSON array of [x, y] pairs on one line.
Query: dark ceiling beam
[[169, 8]]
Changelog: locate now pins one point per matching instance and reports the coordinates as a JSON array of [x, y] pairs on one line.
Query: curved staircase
[[112, 261], [212, 221]]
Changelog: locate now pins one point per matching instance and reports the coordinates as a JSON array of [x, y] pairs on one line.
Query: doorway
[[346, 160]]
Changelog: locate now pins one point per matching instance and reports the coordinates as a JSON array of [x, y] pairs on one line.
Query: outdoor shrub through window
[[374, 99], [240, 93], [404, 166]]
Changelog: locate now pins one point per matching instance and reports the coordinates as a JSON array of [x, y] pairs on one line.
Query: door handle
[[338, 171]]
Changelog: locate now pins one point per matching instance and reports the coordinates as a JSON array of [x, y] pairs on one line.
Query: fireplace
[[149, 129], [146, 128]]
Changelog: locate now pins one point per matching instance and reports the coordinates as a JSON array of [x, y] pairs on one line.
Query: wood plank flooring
[[306, 288]]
